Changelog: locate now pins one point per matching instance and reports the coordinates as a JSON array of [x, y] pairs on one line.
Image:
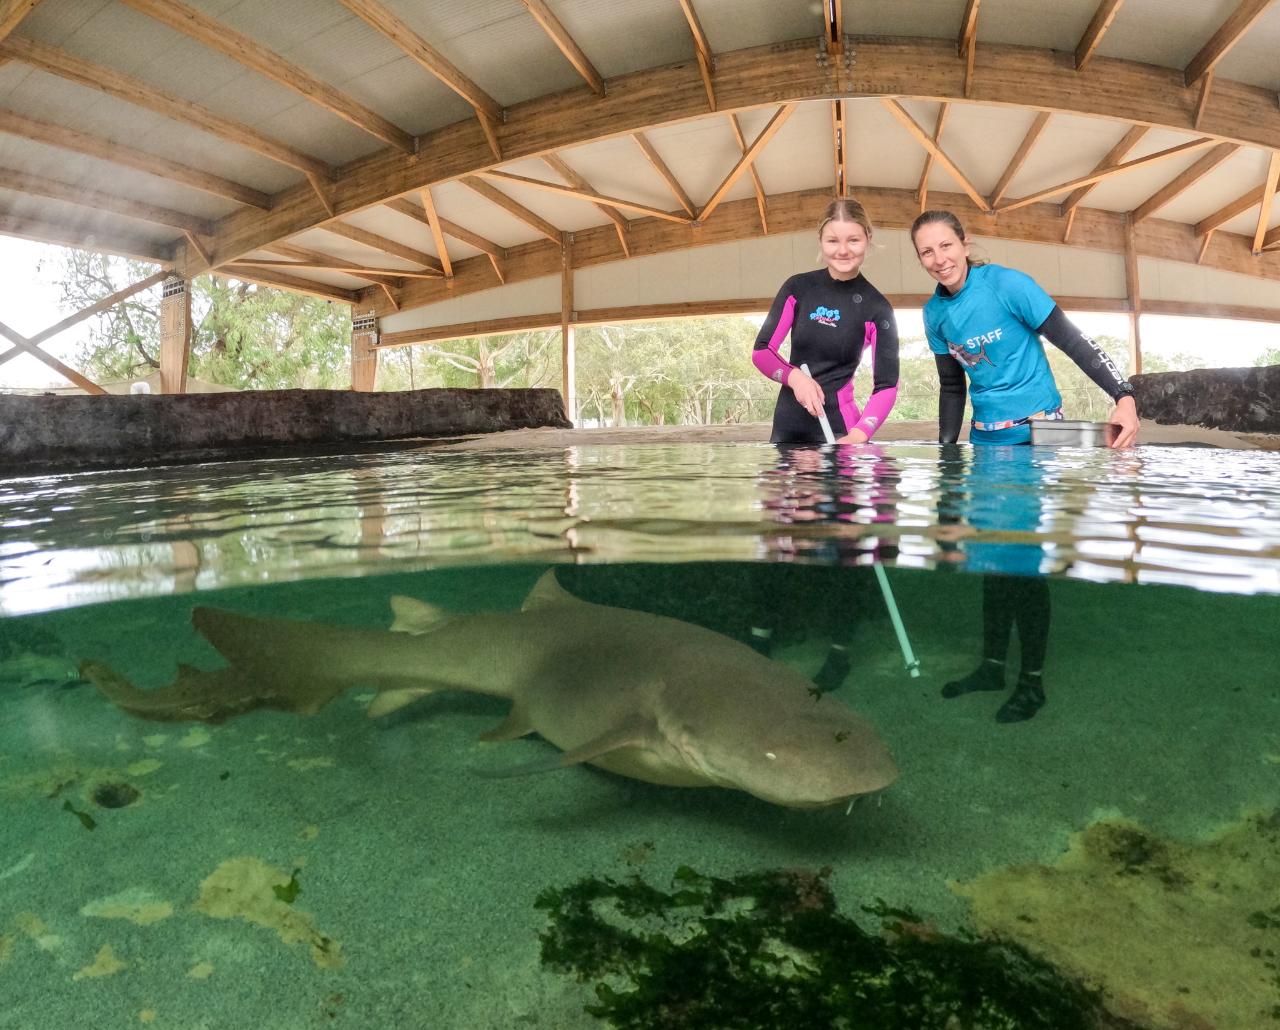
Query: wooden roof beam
[[702, 50], [1272, 239], [665, 173], [85, 239], [292, 283], [69, 193], [395, 276], [22, 343], [1268, 197], [247, 51], [584, 194], [1098, 25], [392, 247], [551, 25], [833, 25], [922, 190], [1183, 182], [437, 234], [762, 200], [116, 153], [1113, 157], [1106, 173], [838, 113], [1019, 158], [748, 156], [512, 207], [1229, 33], [396, 30], [472, 239], [923, 138], [11, 14], [558, 165], [1231, 210], [319, 260], [135, 91], [967, 43], [98, 307]]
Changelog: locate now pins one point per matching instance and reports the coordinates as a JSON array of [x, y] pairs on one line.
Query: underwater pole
[[908, 656]]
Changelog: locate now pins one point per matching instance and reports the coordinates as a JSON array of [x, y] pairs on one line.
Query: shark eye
[[771, 756]]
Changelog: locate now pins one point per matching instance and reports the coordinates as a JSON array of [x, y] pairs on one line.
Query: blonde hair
[[846, 209]]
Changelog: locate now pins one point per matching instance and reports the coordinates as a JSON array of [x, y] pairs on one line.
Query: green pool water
[[282, 870]]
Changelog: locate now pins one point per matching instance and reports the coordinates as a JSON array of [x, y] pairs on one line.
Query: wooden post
[[567, 317], [364, 351], [175, 335], [1134, 289]]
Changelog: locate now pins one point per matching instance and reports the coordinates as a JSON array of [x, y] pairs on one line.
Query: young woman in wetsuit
[[985, 321], [834, 316]]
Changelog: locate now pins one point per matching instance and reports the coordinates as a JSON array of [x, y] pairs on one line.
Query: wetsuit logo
[[827, 316]]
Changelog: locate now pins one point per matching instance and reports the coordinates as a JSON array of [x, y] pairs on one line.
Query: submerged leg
[[998, 611], [1033, 636]]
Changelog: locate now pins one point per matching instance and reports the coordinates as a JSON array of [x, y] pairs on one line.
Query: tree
[[243, 335], [1270, 356]]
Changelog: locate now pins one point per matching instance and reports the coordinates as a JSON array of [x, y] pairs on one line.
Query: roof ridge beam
[[248, 52], [134, 91], [1229, 33], [117, 153], [567, 45]]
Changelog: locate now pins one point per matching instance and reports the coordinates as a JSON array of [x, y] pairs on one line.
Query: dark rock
[[38, 433], [1245, 400]]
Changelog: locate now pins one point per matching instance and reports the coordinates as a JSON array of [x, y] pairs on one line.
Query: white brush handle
[[822, 415]]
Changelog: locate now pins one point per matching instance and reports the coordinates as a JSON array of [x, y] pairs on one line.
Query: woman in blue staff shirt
[[984, 322]]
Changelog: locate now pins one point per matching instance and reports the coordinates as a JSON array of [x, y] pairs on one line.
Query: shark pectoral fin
[[413, 616], [633, 734], [514, 726], [395, 698], [547, 592]]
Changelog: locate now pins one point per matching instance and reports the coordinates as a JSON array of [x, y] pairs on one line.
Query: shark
[[639, 695]]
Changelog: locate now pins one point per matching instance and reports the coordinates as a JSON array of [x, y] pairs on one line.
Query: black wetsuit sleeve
[[1092, 359], [951, 396]]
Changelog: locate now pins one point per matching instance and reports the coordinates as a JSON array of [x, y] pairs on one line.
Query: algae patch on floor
[[1176, 934], [244, 888], [105, 963], [136, 904]]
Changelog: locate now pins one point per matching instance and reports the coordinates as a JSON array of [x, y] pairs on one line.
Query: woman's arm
[[951, 396], [883, 340], [1098, 366]]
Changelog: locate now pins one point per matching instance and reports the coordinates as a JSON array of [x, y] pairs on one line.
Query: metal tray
[[1071, 433]]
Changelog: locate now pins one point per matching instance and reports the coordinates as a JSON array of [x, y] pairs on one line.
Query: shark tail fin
[[413, 616], [547, 592]]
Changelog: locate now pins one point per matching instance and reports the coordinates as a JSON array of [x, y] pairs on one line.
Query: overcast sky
[[29, 303]]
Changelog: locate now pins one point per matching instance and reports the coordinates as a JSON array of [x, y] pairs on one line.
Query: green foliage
[[513, 360], [1270, 356], [244, 336], [770, 949]]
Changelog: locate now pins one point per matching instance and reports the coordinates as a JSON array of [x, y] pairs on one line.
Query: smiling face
[[944, 255], [844, 248]]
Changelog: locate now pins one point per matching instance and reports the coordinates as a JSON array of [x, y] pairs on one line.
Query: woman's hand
[[807, 392], [1125, 417], [854, 436]]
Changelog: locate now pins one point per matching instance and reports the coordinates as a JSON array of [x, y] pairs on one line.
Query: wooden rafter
[[558, 165], [1271, 240], [12, 12], [393, 247], [135, 91], [1019, 158], [1206, 89], [940, 155], [551, 25], [116, 153], [1098, 25], [1183, 181], [69, 193], [512, 207], [392, 295], [88, 312], [437, 234], [318, 260], [1229, 33], [581, 194], [375, 275], [1205, 241], [748, 156], [292, 283], [660, 166], [23, 344], [322, 187], [1230, 210], [833, 25], [250, 53], [967, 43], [922, 190], [85, 239], [1133, 289], [396, 30], [702, 50], [837, 145], [762, 200], [1113, 157], [1268, 197], [496, 254], [1106, 173]]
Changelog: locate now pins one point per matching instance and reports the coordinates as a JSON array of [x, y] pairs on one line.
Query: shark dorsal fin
[[547, 592], [414, 616]]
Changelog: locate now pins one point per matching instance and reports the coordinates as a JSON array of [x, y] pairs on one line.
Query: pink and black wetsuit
[[832, 322]]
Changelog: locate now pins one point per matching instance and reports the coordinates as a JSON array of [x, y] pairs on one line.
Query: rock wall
[[1242, 399], [50, 432]]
